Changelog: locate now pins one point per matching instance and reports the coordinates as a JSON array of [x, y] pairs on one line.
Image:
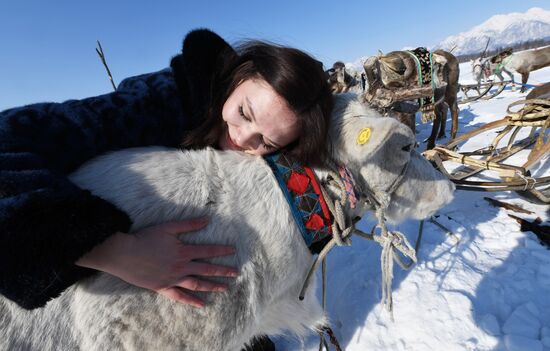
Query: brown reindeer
[[397, 74], [341, 81]]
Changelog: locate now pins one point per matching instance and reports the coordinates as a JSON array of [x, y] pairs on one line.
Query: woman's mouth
[[232, 145]]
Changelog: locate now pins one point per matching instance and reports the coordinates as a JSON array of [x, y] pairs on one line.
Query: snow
[[485, 287]]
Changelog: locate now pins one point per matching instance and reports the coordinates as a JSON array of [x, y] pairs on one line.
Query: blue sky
[[47, 48]]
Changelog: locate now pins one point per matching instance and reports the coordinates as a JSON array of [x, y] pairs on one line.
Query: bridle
[[343, 229]]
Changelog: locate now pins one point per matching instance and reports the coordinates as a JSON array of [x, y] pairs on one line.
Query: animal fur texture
[[398, 70], [344, 80], [247, 210]]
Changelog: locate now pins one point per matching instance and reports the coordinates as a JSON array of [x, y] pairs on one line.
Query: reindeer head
[[477, 68], [481, 68], [394, 70], [338, 78], [380, 154]]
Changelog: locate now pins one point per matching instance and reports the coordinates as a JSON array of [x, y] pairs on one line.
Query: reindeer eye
[[407, 148]]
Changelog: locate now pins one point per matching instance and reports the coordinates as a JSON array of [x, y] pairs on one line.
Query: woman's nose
[[246, 138]]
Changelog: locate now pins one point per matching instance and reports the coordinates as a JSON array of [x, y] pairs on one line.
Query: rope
[[322, 341], [332, 337], [391, 241], [529, 181], [340, 232]]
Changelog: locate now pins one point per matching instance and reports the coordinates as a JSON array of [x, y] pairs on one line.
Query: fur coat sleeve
[[47, 222]]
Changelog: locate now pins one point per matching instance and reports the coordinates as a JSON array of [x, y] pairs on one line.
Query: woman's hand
[[154, 258]]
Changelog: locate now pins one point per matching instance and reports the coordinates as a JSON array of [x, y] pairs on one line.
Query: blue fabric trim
[[271, 161]]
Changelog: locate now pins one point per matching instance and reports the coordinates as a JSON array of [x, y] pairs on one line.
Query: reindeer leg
[[435, 128], [441, 114], [524, 78], [509, 74]]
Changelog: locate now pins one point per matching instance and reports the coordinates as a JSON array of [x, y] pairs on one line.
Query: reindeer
[[248, 210], [341, 81], [523, 63], [483, 69], [396, 73]]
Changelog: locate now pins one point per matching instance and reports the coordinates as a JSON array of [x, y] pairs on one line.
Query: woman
[[260, 99]]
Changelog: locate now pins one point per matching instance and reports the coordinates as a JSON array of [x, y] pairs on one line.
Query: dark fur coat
[[46, 222]]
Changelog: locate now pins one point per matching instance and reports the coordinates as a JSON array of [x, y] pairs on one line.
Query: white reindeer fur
[[246, 209]]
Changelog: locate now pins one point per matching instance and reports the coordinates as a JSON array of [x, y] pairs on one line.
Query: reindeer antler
[[486, 46]]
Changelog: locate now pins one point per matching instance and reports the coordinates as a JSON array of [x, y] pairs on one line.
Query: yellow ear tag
[[364, 136]]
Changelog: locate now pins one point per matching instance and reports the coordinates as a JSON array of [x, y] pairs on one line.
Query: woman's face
[[257, 120]]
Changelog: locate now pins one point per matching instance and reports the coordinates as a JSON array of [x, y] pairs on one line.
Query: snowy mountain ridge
[[502, 30]]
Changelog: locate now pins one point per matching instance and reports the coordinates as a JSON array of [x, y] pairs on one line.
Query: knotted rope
[[391, 241]]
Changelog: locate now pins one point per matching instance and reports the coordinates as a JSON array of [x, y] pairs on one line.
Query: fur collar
[[197, 69]]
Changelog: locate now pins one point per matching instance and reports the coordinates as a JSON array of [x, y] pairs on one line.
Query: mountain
[[502, 30]]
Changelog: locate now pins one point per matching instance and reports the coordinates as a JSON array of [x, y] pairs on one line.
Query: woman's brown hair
[[295, 76]]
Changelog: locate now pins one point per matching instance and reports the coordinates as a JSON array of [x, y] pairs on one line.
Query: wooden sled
[[534, 114], [483, 91]]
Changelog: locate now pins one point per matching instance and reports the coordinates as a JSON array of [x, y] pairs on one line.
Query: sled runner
[[534, 114]]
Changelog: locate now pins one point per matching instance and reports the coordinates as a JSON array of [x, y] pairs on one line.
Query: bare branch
[[99, 51], [498, 203]]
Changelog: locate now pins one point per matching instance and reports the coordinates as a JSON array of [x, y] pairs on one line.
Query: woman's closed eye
[[266, 145], [245, 117]]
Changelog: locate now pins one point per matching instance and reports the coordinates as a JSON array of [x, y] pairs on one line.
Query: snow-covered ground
[[488, 291]]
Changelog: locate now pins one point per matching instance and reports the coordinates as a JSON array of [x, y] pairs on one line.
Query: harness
[[424, 65], [323, 229], [501, 64], [306, 199]]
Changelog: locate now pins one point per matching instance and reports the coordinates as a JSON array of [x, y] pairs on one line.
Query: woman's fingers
[[209, 270], [180, 296], [195, 284], [194, 252], [180, 227]]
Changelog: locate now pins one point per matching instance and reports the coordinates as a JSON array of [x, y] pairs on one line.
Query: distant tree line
[[517, 47]]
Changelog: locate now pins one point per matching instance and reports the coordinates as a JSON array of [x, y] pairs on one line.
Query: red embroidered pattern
[[304, 196]]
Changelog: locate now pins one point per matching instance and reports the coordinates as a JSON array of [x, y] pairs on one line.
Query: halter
[[339, 230], [307, 198]]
